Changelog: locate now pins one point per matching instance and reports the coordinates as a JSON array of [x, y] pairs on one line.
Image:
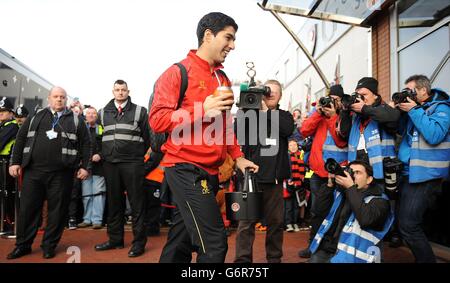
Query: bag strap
[[184, 83]]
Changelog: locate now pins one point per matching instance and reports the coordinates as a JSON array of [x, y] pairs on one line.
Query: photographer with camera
[[425, 154], [321, 125], [358, 216], [272, 171], [369, 127]]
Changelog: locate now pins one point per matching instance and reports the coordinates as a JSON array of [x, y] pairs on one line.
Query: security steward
[[8, 132], [124, 143], [51, 148]]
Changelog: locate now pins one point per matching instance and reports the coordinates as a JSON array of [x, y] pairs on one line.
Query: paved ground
[[86, 239]]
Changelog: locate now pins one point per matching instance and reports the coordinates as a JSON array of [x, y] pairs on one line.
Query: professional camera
[[400, 97], [251, 95], [349, 99], [325, 101], [392, 168], [306, 144], [333, 167]]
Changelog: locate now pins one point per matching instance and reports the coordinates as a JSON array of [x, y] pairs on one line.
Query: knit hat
[[337, 90], [369, 83]]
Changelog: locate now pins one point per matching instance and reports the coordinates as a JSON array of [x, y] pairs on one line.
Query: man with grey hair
[[51, 148], [425, 154]]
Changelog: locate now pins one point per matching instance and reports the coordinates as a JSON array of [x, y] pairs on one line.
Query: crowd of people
[[351, 171]]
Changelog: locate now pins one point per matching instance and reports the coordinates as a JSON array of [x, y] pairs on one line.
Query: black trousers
[[119, 177], [38, 186], [153, 207], [273, 208], [76, 202], [197, 222], [318, 211], [9, 194]]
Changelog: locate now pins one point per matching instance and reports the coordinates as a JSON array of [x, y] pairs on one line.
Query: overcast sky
[[85, 45]]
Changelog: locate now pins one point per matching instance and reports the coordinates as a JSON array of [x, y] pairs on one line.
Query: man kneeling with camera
[[359, 216]]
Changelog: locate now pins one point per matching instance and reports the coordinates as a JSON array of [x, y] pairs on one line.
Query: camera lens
[[250, 99]]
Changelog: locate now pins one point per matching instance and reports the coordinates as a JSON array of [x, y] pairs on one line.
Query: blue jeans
[[291, 211], [415, 199], [93, 205]]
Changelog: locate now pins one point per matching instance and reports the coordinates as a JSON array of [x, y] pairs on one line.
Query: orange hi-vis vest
[[157, 174]]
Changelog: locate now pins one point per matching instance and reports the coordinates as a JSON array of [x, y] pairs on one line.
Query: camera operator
[[425, 154], [272, 171], [321, 125], [359, 216], [370, 128]]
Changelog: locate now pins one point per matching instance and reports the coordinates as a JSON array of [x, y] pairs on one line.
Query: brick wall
[[381, 53]]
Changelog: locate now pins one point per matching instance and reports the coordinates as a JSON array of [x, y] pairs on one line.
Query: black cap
[[337, 90], [369, 83], [21, 111], [6, 105]]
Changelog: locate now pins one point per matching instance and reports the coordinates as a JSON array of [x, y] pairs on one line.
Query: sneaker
[[84, 225], [97, 226], [306, 253], [72, 224], [289, 228], [296, 228]]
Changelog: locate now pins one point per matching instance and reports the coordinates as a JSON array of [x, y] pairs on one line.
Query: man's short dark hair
[[215, 22], [121, 82], [421, 82], [366, 166]]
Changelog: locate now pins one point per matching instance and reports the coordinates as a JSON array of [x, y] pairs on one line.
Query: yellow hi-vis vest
[[8, 147]]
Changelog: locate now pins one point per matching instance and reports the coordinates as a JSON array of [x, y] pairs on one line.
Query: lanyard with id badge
[[52, 134]]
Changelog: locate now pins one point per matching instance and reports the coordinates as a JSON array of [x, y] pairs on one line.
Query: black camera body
[[349, 99], [306, 144], [333, 167], [400, 97], [325, 101], [251, 98]]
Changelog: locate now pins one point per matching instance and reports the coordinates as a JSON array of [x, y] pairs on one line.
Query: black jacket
[[125, 136], [73, 142], [370, 215], [7, 133], [386, 116], [274, 168]]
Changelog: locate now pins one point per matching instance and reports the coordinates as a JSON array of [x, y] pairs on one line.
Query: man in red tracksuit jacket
[[192, 161], [324, 119]]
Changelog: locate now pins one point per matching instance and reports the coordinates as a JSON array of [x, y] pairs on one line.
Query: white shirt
[[122, 105]]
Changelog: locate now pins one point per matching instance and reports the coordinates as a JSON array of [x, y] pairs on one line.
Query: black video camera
[[333, 167], [400, 97], [251, 98], [349, 99], [306, 144], [325, 101]]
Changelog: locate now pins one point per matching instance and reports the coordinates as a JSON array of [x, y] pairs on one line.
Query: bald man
[[51, 148]]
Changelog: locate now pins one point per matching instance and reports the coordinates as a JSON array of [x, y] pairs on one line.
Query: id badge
[[51, 134], [271, 142]]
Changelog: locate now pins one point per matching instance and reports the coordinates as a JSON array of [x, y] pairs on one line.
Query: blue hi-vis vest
[[355, 244], [428, 162], [377, 147], [331, 150]]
